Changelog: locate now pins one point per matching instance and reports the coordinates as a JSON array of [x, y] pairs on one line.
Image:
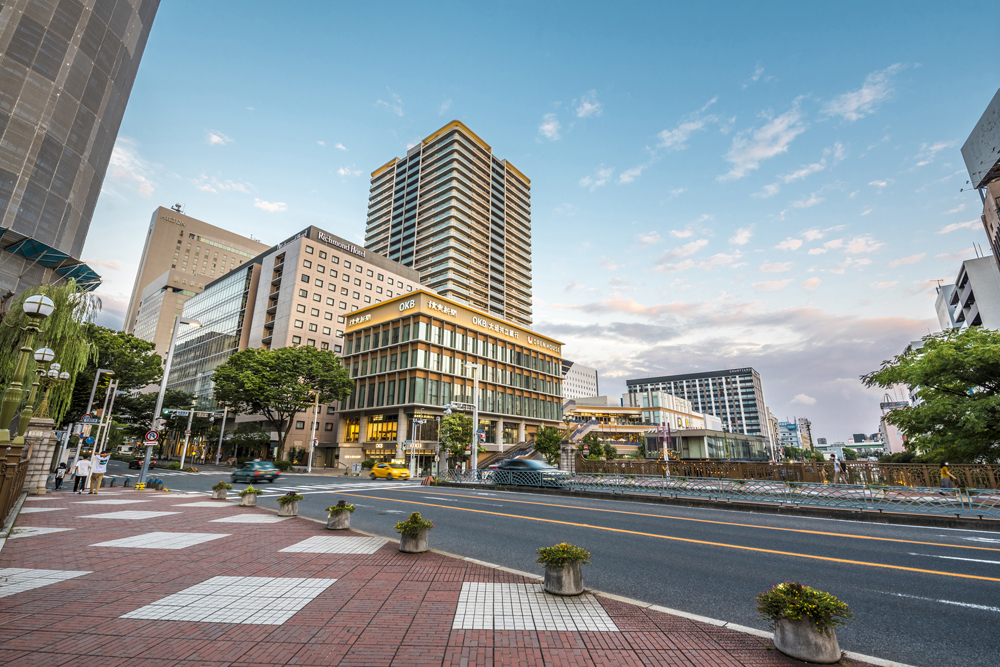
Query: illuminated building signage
[[534, 340], [176, 221], [492, 326], [359, 319], [406, 305], [326, 238], [447, 310]]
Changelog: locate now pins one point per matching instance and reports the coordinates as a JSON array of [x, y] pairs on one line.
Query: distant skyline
[[772, 186]]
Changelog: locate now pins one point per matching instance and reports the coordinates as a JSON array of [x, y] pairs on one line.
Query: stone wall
[[42, 440]]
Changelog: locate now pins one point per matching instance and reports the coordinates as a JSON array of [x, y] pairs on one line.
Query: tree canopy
[[548, 443], [277, 384], [956, 379], [456, 435]]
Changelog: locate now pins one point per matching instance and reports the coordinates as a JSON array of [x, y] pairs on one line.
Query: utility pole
[[474, 449], [312, 438], [187, 434], [222, 432]]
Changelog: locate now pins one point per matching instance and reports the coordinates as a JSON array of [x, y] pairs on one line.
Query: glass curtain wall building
[[461, 217], [66, 72]]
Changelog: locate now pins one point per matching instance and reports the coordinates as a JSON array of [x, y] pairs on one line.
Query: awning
[[47, 256]]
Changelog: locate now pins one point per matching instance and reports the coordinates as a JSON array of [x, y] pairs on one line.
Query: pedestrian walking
[[947, 479], [60, 474], [838, 469], [100, 467], [80, 471]]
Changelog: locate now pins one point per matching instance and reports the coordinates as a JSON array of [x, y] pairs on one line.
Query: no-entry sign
[[151, 436]]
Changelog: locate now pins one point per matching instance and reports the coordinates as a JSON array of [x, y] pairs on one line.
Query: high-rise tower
[[461, 217], [66, 72]]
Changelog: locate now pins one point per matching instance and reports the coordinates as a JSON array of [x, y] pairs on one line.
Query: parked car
[[390, 471], [136, 463], [533, 473], [255, 471]]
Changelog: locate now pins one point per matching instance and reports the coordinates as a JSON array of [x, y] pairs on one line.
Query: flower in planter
[[413, 525], [222, 485], [561, 554], [250, 490], [341, 506], [289, 497], [794, 601]]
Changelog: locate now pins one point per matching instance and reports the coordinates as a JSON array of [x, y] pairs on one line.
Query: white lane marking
[[971, 560], [980, 539], [968, 605], [447, 500]]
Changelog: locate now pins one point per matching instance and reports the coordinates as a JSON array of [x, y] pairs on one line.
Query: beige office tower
[[182, 254], [461, 217]]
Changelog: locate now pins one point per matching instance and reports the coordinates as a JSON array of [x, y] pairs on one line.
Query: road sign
[[407, 442], [151, 436], [187, 432], [181, 413], [89, 441], [315, 442], [203, 414], [89, 419]]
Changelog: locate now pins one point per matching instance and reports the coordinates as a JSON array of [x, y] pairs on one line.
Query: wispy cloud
[[775, 267], [956, 256], [109, 264], [929, 151], [598, 179], [127, 165], [339, 146], [649, 238], [321, 143], [630, 175], [855, 105], [767, 191], [758, 75], [884, 284], [789, 244], [810, 284], [394, 105], [566, 209], [741, 236], [215, 138], [349, 171], [807, 201], [212, 184], [550, 127], [812, 235], [862, 244], [270, 207], [444, 107], [609, 264], [682, 251], [750, 147], [772, 285], [802, 399], [912, 259], [676, 139], [881, 185], [692, 228], [957, 209], [955, 226], [589, 106]]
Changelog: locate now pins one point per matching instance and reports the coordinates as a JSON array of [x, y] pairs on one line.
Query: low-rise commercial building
[[416, 353]]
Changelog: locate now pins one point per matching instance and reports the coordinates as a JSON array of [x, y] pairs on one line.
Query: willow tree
[[63, 332]]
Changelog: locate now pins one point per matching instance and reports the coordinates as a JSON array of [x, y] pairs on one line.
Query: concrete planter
[[339, 521], [289, 509], [565, 579], [414, 544], [799, 639], [219, 494], [248, 500]]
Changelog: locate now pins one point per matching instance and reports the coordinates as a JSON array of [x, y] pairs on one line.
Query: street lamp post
[[93, 389], [37, 308], [222, 432], [312, 438], [42, 356], [187, 435], [178, 321]]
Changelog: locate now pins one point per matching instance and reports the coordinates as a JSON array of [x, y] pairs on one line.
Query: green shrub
[[173, 465], [289, 497], [367, 464], [250, 490], [341, 506], [413, 525], [221, 485], [561, 554], [282, 464], [795, 602]]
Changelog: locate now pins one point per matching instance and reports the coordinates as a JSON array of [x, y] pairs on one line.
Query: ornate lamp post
[[43, 355], [36, 307], [49, 380]]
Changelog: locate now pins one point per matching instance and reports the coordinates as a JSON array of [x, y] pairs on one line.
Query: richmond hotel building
[[415, 353]]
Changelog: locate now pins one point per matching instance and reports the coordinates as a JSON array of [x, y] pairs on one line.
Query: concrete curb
[[862, 516], [12, 517]]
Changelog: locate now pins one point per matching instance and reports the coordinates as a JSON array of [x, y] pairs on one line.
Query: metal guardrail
[[884, 498]]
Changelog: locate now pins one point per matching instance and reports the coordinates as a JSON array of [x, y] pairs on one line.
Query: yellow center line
[[679, 539], [729, 523]]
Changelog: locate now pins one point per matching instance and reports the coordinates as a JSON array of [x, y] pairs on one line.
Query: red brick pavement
[[386, 608]]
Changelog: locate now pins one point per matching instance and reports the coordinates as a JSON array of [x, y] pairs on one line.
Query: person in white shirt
[[80, 471], [100, 467]]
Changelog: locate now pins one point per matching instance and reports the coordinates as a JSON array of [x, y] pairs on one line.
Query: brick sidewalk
[[117, 604]]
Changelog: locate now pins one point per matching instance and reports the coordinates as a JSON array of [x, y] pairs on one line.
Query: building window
[[409, 288], [322, 254], [356, 295], [334, 259], [301, 308], [330, 410], [340, 334], [321, 268], [296, 340], [368, 285], [357, 281], [347, 264], [317, 297], [341, 319], [379, 289], [326, 331], [380, 276], [309, 249], [306, 263], [303, 292], [353, 308], [347, 278], [301, 425], [344, 291], [329, 302], [299, 324], [311, 343], [312, 327], [325, 346], [319, 283], [343, 306], [368, 299], [337, 349], [388, 292], [305, 278], [328, 316], [333, 274], [370, 274], [329, 426], [314, 312], [357, 267]]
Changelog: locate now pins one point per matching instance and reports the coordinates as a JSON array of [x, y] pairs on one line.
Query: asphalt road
[[923, 596]]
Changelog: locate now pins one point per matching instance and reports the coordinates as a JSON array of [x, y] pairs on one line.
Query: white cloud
[[394, 105], [127, 165], [758, 75], [750, 147], [349, 171], [676, 139], [676, 192], [270, 207], [802, 399], [857, 104], [804, 171], [956, 256], [775, 267], [867, 211], [879, 184], [767, 191], [685, 250], [818, 251], [600, 178], [884, 285], [957, 209], [847, 263], [812, 235], [807, 202], [212, 184], [630, 175], [912, 259], [444, 107], [321, 143], [566, 209], [609, 264], [955, 226], [339, 146], [929, 151], [649, 238], [862, 244], [550, 127], [810, 284], [217, 138], [771, 285], [741, 236], [789, 244], [589, 106]]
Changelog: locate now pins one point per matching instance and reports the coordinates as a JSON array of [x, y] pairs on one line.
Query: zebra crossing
[[345, 487]]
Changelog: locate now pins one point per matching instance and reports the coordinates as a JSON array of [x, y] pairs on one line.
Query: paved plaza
[[183, 585]]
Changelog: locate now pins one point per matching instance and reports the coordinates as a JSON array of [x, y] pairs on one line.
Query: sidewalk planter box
[[563, 568], [565, 579], [219, 495], [288, 504], [340, 516], [800, 639], [413, 534], [219, 490], [249, 500]]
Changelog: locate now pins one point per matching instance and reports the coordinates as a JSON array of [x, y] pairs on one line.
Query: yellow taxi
[[390, 471]]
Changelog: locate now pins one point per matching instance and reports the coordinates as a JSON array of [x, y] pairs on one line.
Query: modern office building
[[790, 436], [180, 257], [805, 432], [67, 72], [418, 352], [736, 396], [981, 153], [461, 217], [299, 292], [973, 299], [579, 381]]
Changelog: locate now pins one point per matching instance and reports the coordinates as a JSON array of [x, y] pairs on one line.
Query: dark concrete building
[[66, 72]]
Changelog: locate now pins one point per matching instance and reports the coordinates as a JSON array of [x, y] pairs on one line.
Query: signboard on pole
[[893, 405], [151, 436], [89, 419]]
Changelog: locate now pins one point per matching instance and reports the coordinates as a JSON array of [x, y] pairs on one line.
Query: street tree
[[456, 434], [956, 377], [277, 384], [548, 443], [610, 452], [593, 445], [249, 439]]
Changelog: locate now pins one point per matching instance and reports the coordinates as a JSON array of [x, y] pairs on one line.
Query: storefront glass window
[[353, 425], [432, 392], [381, 428]]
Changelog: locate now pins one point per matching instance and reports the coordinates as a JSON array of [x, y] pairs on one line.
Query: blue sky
[[775, 185]]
